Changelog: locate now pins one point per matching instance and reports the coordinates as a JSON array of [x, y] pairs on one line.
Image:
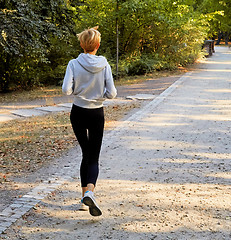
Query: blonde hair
[[89, 39]]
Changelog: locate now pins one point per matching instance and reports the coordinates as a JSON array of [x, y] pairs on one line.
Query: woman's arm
[[110, 90], [68, 81]]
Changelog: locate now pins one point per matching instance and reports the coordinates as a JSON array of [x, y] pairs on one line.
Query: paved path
[[165, 171]]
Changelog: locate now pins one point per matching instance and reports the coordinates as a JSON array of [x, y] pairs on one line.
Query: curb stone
[[22, 205]]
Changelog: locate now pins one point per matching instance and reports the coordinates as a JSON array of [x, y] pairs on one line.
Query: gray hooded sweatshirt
[[89, 79]]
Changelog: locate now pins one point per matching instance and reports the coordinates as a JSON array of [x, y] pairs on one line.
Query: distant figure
[[89, 79], [223, 35]]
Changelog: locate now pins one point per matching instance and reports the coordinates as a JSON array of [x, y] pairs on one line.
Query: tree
[[28, 30], [218, 15], [38, 38], [156, 33]]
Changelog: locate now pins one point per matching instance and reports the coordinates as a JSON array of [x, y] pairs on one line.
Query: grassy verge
[[28, 144]]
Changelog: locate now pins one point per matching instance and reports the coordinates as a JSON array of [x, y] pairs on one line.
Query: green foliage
[[153, 34], [38, 38], [26, 41], [217, 14]]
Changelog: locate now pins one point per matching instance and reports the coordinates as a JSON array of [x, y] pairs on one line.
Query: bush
[[141, 65], [144, 64]]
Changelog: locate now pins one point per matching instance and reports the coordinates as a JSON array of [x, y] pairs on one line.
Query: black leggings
[[88, 126]]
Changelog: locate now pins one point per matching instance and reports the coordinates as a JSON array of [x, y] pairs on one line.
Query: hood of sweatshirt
[[92, 63]]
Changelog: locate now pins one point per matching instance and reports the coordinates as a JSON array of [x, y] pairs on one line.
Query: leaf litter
[[28, 144]]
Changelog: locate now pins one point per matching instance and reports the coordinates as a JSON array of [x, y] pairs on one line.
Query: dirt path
[[16, 187], [165, 171]]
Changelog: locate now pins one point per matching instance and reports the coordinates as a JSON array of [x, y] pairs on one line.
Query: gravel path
[[165, 171]]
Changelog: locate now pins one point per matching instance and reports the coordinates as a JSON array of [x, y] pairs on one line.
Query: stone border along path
[[22, 205]]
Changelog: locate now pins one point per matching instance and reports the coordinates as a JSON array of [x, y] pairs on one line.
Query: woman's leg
[[90, 142], [95, 135], [81, 133], [88, 126]]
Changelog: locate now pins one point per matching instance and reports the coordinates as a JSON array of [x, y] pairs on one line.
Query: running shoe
[[82, 206], [89, 200]]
